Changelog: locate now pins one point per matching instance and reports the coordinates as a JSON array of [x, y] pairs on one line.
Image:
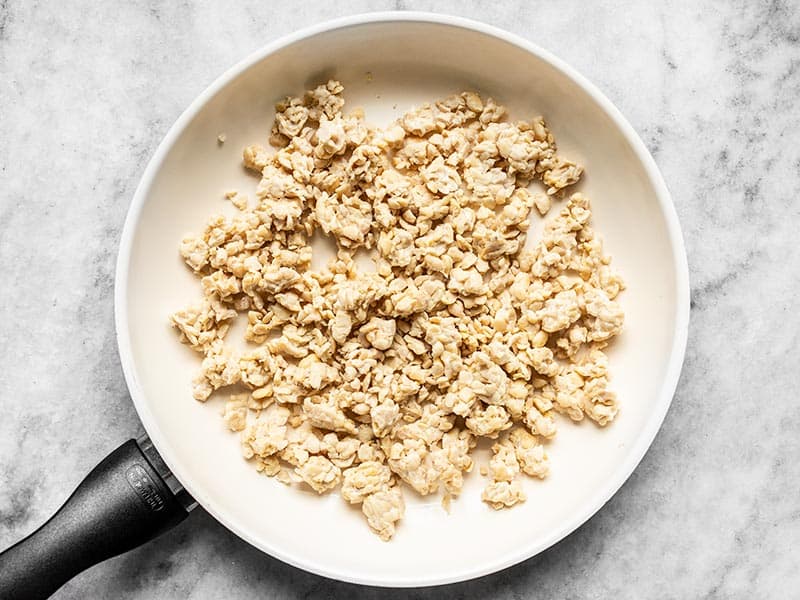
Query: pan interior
[[387, 67]]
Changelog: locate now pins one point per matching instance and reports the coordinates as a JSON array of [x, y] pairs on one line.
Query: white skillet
[[389, 62]]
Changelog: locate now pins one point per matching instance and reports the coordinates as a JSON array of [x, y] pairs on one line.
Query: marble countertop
[[89, 89]]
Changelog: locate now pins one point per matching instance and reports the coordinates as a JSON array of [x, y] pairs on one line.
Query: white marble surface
[[87, 90]]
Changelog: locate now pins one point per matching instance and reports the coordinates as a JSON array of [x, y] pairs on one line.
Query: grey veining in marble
[[87, 90]]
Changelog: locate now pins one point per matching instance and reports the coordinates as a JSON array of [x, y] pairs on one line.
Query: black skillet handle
[[124, 502]]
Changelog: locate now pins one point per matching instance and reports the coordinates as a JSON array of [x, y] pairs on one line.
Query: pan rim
[[645, 436]]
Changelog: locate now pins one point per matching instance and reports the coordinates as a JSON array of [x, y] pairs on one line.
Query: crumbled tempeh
[[368, 379]]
